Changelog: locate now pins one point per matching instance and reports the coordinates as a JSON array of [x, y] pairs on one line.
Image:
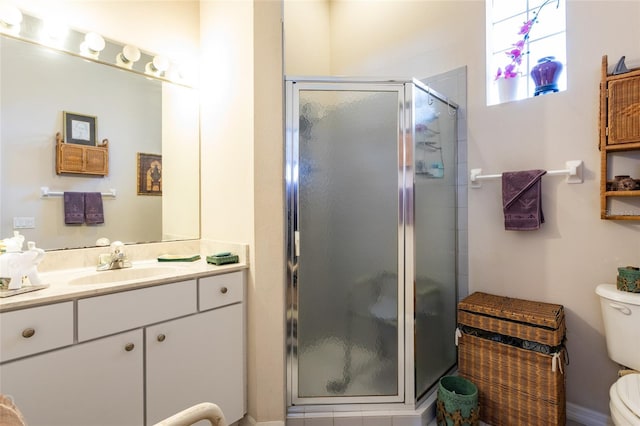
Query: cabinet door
[[97, 383], [624, 111], [196, 359], [96, 161], [70, 158]]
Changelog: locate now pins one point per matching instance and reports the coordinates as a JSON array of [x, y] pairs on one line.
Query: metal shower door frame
[[405, 391]]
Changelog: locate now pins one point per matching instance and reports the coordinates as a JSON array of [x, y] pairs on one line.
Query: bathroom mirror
[[137, 114]]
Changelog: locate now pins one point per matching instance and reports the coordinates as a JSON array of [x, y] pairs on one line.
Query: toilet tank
[[621, 316]]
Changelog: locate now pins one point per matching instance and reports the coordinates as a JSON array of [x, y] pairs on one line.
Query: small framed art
[[79, 128], [149, 174]]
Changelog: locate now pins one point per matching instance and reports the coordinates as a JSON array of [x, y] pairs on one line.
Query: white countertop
[[71, 284]]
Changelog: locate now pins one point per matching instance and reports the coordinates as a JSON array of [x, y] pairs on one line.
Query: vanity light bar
[[55, 34]]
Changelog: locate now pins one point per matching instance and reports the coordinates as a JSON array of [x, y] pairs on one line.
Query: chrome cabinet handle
[[161, 337], [621, 308], [223, 290], [129, 347], [28, 332]]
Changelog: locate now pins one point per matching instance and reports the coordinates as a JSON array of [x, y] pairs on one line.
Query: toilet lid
[[628, 388]]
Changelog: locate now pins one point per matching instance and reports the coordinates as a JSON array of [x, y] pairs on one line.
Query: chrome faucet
[[115, 259]]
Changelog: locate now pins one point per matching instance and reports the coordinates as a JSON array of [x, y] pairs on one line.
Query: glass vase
[[545, 75], [508, 89]]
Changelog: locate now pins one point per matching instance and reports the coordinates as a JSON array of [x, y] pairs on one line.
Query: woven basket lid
[[524, 311]]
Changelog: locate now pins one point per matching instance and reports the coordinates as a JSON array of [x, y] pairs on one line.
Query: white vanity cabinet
[[200, 358], [96, 383], [138, 356], [195, 359]]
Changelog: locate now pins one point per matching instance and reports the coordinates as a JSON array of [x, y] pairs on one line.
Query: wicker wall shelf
[[622, 194], [619, 134], [623, 147], [81, 159]]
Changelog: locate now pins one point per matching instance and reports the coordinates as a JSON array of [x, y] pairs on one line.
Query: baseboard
[[250, 421], [576, 413], [586, 416]]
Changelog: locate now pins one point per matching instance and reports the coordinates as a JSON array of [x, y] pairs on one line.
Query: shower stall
[[371, 240]]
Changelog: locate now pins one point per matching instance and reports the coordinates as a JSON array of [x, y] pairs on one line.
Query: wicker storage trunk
[[513, 351]]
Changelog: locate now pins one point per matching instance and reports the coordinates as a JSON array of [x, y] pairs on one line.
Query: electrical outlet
[[24, 222]]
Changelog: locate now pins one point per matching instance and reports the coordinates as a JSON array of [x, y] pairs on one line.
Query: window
[[546, 38]]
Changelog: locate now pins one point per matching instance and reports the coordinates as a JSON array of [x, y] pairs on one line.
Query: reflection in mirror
[[135, 113]]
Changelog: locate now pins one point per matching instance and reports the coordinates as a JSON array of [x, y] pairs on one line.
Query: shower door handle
[[296, 243]]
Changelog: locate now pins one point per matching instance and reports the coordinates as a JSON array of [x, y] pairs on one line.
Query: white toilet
[[621, 315]]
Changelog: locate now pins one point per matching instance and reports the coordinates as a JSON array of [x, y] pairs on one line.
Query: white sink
[[127, 274]]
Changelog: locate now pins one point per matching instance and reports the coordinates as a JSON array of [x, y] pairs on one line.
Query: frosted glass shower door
[[434, 237], [345, 183]]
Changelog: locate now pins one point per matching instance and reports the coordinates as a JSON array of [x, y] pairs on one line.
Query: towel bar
[[573, 171], [46, 192]]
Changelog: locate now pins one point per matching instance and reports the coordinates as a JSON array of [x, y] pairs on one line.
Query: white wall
[[267, 300], [575, 250], [180, 159], [307, 32], [226, 119], [242, 173]]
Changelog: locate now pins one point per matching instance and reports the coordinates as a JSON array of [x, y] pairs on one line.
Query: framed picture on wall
[[79, 129], [149, 174]]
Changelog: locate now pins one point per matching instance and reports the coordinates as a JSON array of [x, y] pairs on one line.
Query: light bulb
[[10, 18], [158, 66], [92, 45], [128, 56], [53, 31]]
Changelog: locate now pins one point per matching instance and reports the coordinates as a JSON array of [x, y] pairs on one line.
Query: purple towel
[[522, 200], [73, 208], [93, 211]]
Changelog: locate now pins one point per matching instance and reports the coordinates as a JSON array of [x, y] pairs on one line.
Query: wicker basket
[[628, 279], [512, 350]]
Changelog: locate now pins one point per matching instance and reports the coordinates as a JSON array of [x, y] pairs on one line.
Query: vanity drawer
[[221, 290], [33, 330], [112, 313]]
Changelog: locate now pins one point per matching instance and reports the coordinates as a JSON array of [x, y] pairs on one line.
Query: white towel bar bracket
[[573, 170], [46, 192]]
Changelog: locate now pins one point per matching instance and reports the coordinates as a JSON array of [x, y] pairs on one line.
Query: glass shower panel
[[348, 221], [434, 238]]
